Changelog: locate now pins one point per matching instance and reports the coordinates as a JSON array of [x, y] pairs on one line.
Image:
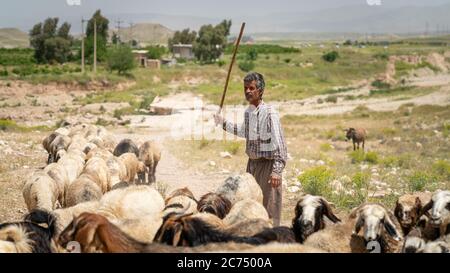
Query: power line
[[118, 22], [82, 44], [131, 32]]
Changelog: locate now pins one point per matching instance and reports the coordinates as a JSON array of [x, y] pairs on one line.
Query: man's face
[[252, 94]]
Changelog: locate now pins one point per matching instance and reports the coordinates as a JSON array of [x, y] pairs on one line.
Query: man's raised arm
[[232, 128]]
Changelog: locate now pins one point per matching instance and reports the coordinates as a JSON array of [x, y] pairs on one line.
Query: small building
[[168, 62], [153, 64], [141, 57], [184, 51]]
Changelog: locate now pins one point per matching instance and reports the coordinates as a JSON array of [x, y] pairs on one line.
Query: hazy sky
[[24, 13], [203, 8]]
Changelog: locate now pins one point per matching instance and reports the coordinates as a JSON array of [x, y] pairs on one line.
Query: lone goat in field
[[358, 136]]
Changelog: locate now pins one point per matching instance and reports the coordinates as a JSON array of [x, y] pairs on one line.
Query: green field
[[299, 74]]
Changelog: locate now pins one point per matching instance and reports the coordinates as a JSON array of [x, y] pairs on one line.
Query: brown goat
[[181, 192], [215, 204], [150, 154], [408, 209], [191, 230], [95, 233], [357, 135]]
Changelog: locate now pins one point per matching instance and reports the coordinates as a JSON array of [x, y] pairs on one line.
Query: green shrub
[[120, 58], [389, 161], [380, 84], [356, 156], [221, 63], [381, 56], [7, 125], [331, 99], [146, 102], [262, 49], [330, 56], [4, 73], [247, 66], [102, 122], [156, 51], [118, 113], [446, 129], [326, 147], [16, 56], [316, 181], [442, 169], [420, 181], [204, 143], [371, 157], [359, 156], [252, 54], [287, 60], [405, 161], [233, 147]]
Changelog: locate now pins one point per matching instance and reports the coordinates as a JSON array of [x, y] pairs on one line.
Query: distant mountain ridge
[[13, 37], [145, 33]]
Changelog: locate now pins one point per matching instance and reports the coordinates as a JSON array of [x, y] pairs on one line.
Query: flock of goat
[[102, 196]]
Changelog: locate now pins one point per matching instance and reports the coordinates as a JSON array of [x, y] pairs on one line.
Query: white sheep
[[78, 142], [65, 131], [59, 174], [73, 163], [65, 215], [117, 170], [440, 211], [246, 210], [41, 192], [98, 169], [99, 152], [60, 143], [241, 187], [143, 229], [83, 189], [133, 166], [131, 203], [377, 223], [150, 154]]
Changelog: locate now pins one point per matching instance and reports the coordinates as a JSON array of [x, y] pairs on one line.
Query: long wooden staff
[[231, 67]]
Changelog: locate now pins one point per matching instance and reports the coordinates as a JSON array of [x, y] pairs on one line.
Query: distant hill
[[145, 33], [13, 37]]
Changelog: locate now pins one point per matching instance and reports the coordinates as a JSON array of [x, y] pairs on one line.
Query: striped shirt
[[263, 133]]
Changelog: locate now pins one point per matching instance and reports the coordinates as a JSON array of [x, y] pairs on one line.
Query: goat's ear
[[328, 212], [390, 228], [358, 225], [426, 208], [85, 234], [178, 230], [418, 206], [398, 209], [355, 212], [298, 210]]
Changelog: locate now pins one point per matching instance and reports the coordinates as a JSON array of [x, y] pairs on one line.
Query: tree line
[[53, 43]]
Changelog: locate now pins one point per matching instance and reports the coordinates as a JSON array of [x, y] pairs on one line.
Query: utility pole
[[82, 45], [118, 22], [131, 33], [95, 45]]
